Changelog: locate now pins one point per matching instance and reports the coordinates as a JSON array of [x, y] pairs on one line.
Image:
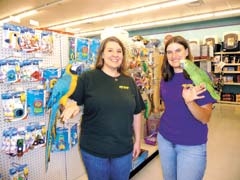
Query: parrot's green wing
[[198, 76]]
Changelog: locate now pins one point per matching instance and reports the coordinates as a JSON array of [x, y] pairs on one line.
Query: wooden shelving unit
[[230, 74]]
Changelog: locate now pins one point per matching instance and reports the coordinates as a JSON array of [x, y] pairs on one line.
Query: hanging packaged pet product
[[94, 45], [35, 101], [61, 143], [71, 41], [82, 49], [74, 135], [66, 137], [14, 105], [9, 71], [18, 171]]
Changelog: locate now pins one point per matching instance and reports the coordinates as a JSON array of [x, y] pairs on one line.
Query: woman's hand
[[136, 150], [191, 93], [70, 110]]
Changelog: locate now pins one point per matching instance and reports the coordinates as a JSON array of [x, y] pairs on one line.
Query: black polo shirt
[[109, 106]]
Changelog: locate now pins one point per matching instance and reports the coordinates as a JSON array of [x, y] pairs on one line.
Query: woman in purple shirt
[[183, 127]]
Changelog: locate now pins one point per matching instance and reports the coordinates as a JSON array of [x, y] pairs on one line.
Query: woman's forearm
[[201, 113], [137, 127]]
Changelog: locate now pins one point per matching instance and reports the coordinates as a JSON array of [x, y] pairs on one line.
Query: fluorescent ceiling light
[[33, 22], [5, 20], [89, 33], [73, 30], [230, 12], [165, 22], [17, 18], [122, 13], [26, 14], [176, 3]]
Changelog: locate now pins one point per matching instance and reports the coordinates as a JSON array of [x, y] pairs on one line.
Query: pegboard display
[[63, 165]]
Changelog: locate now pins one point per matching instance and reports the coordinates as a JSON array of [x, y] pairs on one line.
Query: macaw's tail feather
[[48, 150], [51, 132], [54, 116]]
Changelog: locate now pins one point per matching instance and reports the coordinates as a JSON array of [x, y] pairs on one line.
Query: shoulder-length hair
[[100, 61], [167, 70]]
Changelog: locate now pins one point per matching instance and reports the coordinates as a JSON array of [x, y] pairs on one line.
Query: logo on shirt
[[123, 87]]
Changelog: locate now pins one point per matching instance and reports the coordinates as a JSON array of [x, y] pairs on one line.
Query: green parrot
[[198, 76]]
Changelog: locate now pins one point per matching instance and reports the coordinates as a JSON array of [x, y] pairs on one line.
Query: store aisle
[[223, 147]]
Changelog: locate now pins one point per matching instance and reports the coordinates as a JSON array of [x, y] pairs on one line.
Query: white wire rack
[[63, 165]]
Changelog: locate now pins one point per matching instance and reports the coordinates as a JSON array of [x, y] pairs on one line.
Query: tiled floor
[[223, 161]]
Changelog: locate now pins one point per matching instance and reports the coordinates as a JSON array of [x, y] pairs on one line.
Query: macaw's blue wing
[[59, 89], [63, 88]]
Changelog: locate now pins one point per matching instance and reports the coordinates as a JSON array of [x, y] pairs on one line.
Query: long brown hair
[[167, 70], [100, 61]]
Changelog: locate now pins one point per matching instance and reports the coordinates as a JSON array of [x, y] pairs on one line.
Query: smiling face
[[112, 55], [175, 52]]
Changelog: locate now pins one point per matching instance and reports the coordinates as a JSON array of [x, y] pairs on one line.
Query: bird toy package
[[9, 71], [74, 135], [60, 143], [18, 171], [82, 50], [30, 70], [35, 102], [3, 71], [16, 141], [11, 36], [46, 45], [94, 45], [71, 49], [14, 105]]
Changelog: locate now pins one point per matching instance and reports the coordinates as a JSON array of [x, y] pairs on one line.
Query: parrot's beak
[[182, 62]]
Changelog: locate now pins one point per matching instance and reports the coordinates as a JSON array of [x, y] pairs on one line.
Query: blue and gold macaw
[[198, 76], [62, 90]]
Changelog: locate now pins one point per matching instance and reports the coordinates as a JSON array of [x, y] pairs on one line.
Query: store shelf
[[232, 83], [231, 72], [199, 60], [152, 152], [229, 102], [226, 72], [222, 53], [232, 64]]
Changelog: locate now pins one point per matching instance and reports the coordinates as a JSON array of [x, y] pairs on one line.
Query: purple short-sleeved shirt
[[177, 124]]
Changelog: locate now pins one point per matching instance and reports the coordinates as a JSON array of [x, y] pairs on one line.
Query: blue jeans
[[107, 168], [180, 162]]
